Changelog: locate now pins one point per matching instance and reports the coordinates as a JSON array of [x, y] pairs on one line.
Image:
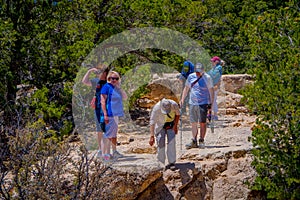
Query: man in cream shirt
[[164, 123]]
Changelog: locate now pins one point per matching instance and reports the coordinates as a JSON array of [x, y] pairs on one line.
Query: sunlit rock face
[[220, 171]]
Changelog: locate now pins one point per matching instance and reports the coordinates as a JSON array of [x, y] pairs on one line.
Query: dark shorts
[[198, 113], [100, 126]]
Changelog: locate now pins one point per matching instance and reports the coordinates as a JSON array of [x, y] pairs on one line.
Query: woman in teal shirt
[[215, 73]]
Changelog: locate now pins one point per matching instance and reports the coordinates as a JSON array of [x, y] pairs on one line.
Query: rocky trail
[[219, 171], [222, 170]]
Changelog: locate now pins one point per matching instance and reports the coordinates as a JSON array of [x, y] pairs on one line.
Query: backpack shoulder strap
[[193, 83]]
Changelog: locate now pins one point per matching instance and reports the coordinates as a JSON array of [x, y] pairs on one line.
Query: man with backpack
[[200, 86]]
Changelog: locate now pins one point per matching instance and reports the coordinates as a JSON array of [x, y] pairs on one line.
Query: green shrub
[[274, 97]]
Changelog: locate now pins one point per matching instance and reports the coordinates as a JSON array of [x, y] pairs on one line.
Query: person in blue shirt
[[112, 97], [187, 69], [96, 85], [200, 86], [215, 73]]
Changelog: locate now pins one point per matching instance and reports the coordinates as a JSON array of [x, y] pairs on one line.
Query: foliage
[[135, 83], [44, 168], [49, 105], [175, 15], [275, 53], [42, 45]]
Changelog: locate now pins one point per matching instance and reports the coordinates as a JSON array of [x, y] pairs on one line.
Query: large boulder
[[169, 86]]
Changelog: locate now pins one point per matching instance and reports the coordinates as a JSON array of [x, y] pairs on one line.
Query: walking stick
[[212, 125], [180, 129], [211, 121]]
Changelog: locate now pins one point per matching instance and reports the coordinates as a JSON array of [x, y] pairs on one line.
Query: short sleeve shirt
[[114, 100], [94, 82], [199, 93], [158, 118], [215, 73]]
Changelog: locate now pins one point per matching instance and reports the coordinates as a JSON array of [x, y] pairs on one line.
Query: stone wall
[[169, 86]]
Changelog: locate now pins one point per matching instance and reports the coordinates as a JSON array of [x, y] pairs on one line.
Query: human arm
[[212, 96], [123, 93], [103, 106], [176, 119], [184, 94], [86, 79], [210, 87], [217, 86], [152, 140], [152, 122]]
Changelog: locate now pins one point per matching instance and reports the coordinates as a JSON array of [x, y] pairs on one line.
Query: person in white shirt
[[164, 123]]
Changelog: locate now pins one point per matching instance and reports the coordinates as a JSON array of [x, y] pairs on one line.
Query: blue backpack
[[98, 108], [187, 69]]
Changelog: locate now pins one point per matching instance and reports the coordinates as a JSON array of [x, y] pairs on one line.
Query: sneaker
[[201, 143], [171, 166], [215, 117], [193, 144], [117, 155], [106, 158], [99, 154]]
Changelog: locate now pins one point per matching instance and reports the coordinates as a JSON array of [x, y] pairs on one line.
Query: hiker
[[187, 69], [164, 123], [215, 73], [112, 97], [96, 85], [201, 94]]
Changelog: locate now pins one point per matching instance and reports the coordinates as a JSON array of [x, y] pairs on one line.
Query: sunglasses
[[114, 78]]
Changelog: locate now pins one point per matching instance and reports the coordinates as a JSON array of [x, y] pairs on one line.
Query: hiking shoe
[[171, 166], [99, 154], [193, 144], [215, 117], [201, 143], [117, 155], [106, 158]]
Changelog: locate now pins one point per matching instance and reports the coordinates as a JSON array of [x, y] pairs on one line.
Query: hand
[[208, 106], [175, 129], [180, 103], [118, 85], [93, 70], [106, 119], [151, 141]]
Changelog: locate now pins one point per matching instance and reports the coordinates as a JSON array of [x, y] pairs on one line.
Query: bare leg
[[195, 130], [113, 144], [215, 104], [202, 130], [105, 146], [99, 138]]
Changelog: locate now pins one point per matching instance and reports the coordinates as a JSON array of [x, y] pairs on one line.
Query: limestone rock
[[220, 171]]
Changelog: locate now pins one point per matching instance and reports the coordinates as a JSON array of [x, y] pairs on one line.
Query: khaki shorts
[[198, 113]]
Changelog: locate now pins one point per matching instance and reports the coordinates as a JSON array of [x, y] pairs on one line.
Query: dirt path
[[231, 134]]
